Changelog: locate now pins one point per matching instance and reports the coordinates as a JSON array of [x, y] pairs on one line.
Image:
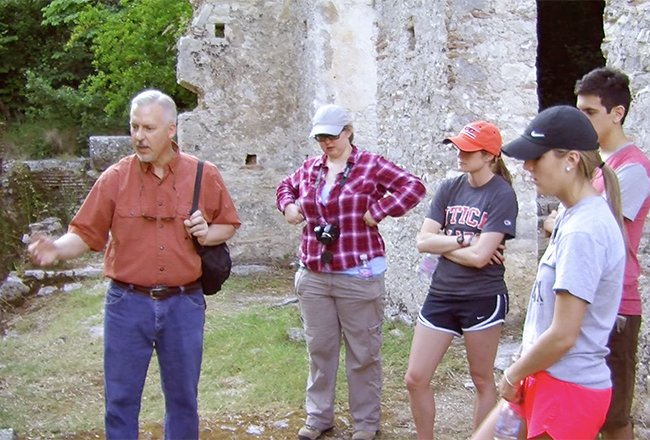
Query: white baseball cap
[[329, 119]]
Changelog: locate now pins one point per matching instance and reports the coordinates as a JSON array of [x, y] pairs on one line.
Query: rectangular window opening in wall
[[410, 29], [251, 159], [220, 30]]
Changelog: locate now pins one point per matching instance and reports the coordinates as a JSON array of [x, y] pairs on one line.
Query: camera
[[327, 233]]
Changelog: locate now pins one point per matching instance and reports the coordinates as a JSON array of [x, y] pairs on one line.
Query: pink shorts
[[561, 409]]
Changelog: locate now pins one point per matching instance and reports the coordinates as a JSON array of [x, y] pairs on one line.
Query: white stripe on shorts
[[488, 322]]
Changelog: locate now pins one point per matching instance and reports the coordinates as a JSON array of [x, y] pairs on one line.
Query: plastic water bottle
[[365, 271], [508, 423], [427, 267]]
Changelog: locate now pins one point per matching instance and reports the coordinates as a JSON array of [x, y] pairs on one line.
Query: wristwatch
[[461, 240]]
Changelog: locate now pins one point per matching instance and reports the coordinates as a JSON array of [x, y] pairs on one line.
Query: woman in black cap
[[560, 386]]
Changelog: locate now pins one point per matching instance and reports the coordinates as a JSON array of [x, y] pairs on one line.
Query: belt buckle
[[157, 292]]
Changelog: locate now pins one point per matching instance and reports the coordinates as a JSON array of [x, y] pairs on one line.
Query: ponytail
[[499, 167], [612, 192], [588, 166], [590, 161]]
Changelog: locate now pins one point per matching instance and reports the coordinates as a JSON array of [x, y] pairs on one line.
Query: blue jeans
[[135, 325]]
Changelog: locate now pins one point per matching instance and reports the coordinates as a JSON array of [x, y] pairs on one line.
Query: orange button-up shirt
[[141, 216]]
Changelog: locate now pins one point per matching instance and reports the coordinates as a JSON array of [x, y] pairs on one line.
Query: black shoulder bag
[[215, 260]]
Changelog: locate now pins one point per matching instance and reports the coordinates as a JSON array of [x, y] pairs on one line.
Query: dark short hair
[[610, 85]]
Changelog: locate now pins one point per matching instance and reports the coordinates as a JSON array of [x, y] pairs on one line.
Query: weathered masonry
[[411, 72]]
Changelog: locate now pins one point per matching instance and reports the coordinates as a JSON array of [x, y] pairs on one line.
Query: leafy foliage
[[73, 65], [134, 47], [25, 43]]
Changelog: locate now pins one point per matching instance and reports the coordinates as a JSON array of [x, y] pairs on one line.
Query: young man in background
[[603, 95]]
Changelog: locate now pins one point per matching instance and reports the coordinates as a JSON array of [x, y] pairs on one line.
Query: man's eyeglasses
[[326, 137]]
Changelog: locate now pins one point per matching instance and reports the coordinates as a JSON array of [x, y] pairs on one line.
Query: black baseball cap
[[562, 127]]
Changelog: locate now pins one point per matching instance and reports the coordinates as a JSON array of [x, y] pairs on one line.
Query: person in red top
[[140, 207], [340, 197], [603, 95]]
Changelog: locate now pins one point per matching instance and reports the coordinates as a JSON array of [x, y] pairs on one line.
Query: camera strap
[[346, 174]]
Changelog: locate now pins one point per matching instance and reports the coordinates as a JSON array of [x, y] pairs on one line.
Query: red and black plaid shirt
[[374, 184]]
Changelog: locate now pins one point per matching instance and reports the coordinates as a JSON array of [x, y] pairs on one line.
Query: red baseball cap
[[478, 136]]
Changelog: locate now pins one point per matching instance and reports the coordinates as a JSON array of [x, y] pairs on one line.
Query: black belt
[[159, 292]]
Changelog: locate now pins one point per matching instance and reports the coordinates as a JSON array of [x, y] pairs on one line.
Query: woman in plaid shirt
[[340, 197]]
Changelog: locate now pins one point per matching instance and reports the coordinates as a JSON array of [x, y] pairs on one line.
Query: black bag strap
[[197, 187], [195, 198]]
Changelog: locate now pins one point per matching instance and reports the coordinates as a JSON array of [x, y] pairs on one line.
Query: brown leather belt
[[159, 292]]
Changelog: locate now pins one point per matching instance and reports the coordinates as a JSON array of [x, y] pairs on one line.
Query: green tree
[[133, 44], [26, 43], [69, 67]]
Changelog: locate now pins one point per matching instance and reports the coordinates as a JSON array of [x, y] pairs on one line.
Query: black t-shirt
[[461, 208]]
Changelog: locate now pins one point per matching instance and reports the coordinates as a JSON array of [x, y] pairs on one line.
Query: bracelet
[[505, 377]]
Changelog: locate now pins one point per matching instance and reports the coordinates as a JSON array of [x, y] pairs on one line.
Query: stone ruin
[[411, 72]]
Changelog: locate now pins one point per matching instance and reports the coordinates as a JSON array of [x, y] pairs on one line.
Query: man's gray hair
[[153, 96]]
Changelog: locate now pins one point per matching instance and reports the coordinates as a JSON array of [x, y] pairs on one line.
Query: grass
[[51, 364], [250, 362], [50, 368]]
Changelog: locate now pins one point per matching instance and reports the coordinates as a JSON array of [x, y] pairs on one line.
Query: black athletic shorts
[[459, 315]]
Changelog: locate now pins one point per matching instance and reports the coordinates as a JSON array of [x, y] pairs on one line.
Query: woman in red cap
[[467, 223]]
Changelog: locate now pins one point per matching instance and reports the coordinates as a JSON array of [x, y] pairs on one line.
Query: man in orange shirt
[[140, 207]]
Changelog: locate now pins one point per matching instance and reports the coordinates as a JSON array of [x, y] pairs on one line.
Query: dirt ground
[[453, 400], [454, 396]]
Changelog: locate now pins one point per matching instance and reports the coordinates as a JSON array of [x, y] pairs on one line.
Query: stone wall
[[441, 66], [60, 185], [244, 60], [412, 104], [411, 73]]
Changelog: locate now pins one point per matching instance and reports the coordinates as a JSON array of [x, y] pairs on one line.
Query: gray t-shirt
[[461, 208], [586, 257]]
